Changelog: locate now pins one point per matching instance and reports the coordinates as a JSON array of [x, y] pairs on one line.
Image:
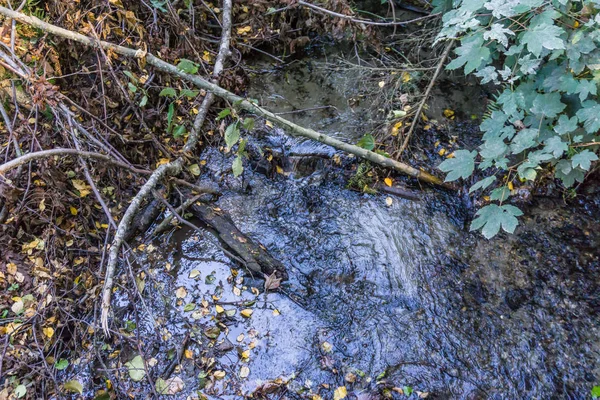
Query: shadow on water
[[404, 294]]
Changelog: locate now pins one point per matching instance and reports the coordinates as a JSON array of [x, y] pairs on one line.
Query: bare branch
[[426, 96]]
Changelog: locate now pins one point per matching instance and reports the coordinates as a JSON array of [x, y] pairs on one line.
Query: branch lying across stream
[[225, 94]]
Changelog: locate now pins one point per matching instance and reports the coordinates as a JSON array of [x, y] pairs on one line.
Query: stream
[[381, 298]]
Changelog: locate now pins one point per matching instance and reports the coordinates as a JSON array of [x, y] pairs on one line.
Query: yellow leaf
[[245, 354], [442, 152], [269, 124], [327, 347], [510, 186], [42, 205], [576, 24], [161, 162], [189, 354], [427, 127], [243, 30], [247, 312], [276, 312], [81, 187], [73, 210], [279, 169], [448, 113], [340, 393], [49, 332], [388, 181], [244, 372], [194, 274], [389, 201], [206, 56], [396, 128], [405, 77], [219, 309], [381, 84]]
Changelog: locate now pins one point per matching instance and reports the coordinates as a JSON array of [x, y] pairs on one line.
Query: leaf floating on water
[[170, 386], [219, 309], [136, 368], [247, 312], [388, 182], [181, 292], [244, 372], [340, 393], [194, 274], [272, 282], [389, 201], [327, 347], [212, 332], [276, 312], [219, 374], [189, 307], [73, 386]]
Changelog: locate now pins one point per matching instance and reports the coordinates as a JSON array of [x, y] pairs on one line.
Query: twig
[[165, 222], [364, 21], [231, 97], [427, 92]]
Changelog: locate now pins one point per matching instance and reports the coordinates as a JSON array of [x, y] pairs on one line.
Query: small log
[[255, 256], [398, 191]]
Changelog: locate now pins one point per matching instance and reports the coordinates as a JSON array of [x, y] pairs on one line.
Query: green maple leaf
[[590, 116], [461, 166], [493, 217], [542, 35], [472, 54]]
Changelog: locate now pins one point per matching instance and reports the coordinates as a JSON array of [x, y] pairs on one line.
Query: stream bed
[[383, 298]]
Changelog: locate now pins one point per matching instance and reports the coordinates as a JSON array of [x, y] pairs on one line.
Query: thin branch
[[14, 163], [426, 96], [364, 21]]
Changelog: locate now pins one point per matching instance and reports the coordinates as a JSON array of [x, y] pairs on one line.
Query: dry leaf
[[388, 181], [181, 292], [272, 282], [219, 374], [244, 372], [340, 393], [389, 201]]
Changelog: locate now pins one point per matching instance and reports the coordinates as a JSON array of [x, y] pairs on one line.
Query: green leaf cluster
[[544, 56]]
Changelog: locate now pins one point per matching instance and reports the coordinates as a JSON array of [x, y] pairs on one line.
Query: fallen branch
[[233, 98], [24, 159], [426, 96]]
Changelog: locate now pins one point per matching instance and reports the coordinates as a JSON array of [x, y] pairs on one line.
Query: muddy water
[[399, 295]]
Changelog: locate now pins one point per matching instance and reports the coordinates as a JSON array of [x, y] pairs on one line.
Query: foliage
[[544, 57], [232, 137]]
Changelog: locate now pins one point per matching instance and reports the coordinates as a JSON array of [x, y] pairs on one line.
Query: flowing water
[[397, 295]]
